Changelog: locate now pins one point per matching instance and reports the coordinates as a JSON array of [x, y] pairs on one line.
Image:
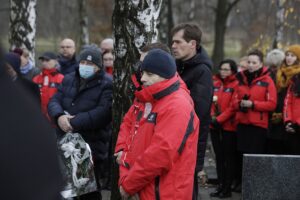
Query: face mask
[[86, 71]]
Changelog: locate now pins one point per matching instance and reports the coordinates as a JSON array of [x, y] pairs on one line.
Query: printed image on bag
[[77, 166]]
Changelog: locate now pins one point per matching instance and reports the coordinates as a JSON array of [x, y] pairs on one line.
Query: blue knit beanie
[[14, 60], [159, 62]]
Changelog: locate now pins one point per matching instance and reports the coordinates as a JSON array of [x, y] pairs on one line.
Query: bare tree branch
[[231, 5]]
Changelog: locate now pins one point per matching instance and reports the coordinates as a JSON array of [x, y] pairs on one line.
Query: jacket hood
[[159, 90], [200, 58]]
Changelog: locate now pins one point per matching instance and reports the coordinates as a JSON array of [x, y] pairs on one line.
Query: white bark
[[23, 25], [192, 10], [279, 23], [84, 30]]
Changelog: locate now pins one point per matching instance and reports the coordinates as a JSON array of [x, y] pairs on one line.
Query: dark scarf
[[253, 75], [296, 85]]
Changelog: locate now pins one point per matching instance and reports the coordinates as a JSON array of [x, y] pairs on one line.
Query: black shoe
[[225, 194], [217, 191]]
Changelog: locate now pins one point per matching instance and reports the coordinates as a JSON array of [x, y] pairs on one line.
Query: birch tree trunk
[[279, 24], [84, 29], [23, 25], [134, 24], [191, 16]]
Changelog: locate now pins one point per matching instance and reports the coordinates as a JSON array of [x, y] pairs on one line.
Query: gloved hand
[[276, 118], [215, 124], [290, 127]]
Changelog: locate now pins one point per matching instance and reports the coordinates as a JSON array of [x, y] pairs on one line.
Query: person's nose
[[143, 78]]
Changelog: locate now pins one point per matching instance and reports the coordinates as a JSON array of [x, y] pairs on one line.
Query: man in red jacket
[[49, 79], [159, 135]]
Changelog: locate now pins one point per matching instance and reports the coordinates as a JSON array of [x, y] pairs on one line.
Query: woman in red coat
[[254, 99], [291, 110], [223, 128]]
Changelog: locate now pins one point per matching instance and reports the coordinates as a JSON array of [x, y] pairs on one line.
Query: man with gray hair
[[107, 45]]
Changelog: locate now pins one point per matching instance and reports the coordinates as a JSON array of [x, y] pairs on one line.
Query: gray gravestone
[[271, 177]]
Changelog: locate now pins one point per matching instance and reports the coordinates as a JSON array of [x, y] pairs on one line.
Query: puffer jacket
[[160, 131], [221, 108], [292, 101], [67, 65], [48, 81], [91, 104], [262, 92]]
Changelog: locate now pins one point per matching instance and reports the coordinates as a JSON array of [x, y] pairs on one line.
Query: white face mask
[[86, 71]]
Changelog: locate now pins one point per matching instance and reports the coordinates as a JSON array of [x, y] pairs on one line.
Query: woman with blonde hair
[[289, 76]]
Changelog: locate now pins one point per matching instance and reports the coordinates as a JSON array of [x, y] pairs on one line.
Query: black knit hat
[[159, 62], [14, 60], [91, 54]]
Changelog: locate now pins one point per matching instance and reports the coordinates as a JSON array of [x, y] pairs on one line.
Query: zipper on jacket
[[261, 116], [157, 195]]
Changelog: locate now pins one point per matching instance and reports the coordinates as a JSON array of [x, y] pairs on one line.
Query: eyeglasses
[[225, 70], [65, 47]]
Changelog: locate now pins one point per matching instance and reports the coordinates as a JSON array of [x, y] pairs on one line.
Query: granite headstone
[[271, 177]]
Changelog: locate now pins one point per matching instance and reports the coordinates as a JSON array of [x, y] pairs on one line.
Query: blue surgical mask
[[86, 71]]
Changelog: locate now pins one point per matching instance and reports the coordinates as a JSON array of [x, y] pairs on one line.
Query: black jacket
[[29, 166], [91, 104], [196, 73], [67, 65], [30, 88]]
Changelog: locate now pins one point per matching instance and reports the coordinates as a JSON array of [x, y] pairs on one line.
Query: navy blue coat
[[91, 105], [67, 65]]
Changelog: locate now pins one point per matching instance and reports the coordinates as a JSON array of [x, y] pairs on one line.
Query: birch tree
[[23, 25], [134, 24], [84, 29], [279, 24]]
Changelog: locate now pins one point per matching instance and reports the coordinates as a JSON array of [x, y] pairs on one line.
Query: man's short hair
[[156, 45], [257, 53], [191, 31]]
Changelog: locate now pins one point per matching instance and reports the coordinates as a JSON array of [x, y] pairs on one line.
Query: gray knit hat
[[91, 54]]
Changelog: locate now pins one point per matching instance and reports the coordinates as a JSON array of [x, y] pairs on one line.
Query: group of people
[[254, 111], [248, 108], [74, 92]]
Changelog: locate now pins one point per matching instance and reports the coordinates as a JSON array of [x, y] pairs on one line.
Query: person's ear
[[193, 43]]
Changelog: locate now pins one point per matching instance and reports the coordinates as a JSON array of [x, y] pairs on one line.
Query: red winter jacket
[[291, 107], [223, 91], [48, 81], [262, 92], [160, 131]]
